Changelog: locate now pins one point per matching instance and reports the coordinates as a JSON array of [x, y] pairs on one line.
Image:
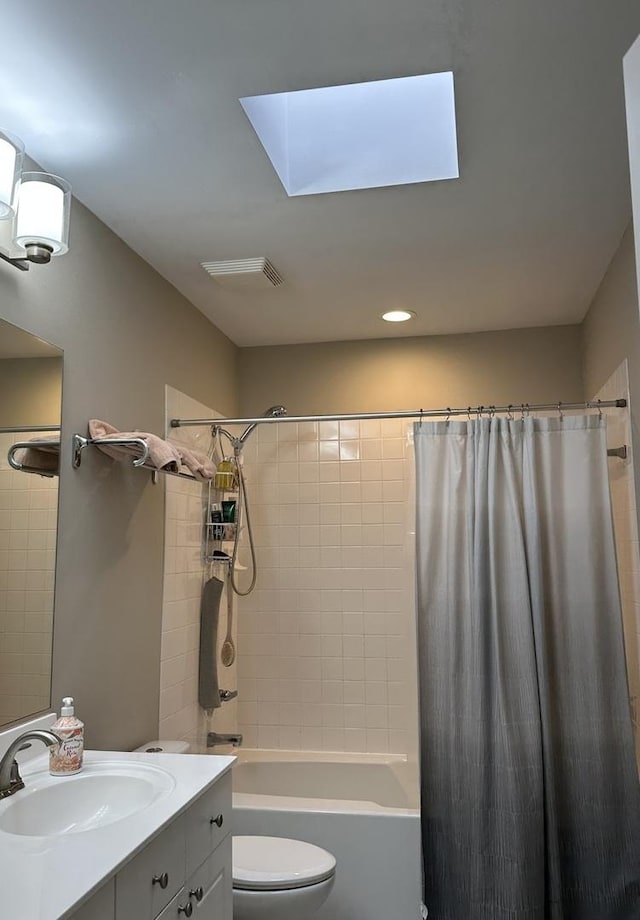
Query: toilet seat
[[278, 864]]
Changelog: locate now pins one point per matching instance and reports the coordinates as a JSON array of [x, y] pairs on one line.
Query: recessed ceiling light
[[398, 316]]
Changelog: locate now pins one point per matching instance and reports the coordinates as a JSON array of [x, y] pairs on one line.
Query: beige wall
[[125, 333], [30, 391], [524, 365], [611, 331]]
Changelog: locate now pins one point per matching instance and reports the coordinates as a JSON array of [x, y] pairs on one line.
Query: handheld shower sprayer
[[243, 501]]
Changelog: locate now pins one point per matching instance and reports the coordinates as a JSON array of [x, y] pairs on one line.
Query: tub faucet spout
[[215, 738]]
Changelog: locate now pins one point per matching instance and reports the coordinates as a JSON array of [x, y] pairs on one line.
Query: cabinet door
[[210, 888], [145, 886], [101, 906], [208, 822]]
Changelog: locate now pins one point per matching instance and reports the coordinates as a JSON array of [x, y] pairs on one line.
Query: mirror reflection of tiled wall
[[28, 512]]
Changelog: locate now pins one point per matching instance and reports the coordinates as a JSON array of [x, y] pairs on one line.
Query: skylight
[[363, 135]]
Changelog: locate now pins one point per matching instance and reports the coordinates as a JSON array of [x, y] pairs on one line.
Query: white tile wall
[[28, 517], [327, 640], [625, 519], [184, 576]]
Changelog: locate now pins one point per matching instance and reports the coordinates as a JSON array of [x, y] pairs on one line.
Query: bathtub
[[361, 807]]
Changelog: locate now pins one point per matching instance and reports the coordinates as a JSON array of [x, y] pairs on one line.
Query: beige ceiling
[[136, 103]]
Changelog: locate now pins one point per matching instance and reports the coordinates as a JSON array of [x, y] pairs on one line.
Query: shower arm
[[236, 443]]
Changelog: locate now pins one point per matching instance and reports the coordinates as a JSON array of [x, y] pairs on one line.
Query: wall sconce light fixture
[[34, 210]]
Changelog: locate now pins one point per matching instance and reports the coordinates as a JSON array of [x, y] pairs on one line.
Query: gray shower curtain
[[530, 795]]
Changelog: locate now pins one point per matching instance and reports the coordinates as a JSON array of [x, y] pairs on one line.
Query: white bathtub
[[361, 807]]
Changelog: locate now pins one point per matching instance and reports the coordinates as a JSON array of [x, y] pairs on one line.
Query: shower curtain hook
[[510, 412], [448, 414], [421, 414], [468, 413], [492, 411], [599, 408], [560, 413]]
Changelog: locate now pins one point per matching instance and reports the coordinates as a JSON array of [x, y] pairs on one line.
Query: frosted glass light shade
[[11, 157], [44, 203]]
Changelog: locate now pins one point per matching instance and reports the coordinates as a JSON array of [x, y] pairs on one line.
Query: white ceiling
[[136, 103]]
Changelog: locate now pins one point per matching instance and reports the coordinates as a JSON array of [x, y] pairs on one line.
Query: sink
[[103, 793]]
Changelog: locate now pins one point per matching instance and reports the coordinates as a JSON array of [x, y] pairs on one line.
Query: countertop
[[47, 878]]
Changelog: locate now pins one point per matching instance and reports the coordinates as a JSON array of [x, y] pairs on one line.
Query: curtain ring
[[560, 413]]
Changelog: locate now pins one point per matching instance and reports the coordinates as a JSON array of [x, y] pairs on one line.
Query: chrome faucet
[[10, 779], [215, 738]]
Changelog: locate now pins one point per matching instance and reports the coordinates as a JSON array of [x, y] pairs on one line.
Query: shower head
[[275, 412], [271, 412]]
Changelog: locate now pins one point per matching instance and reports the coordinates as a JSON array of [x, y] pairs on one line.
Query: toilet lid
[[277, 863]]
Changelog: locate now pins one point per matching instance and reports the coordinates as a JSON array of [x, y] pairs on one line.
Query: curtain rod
[[522, 408], [27, 428]]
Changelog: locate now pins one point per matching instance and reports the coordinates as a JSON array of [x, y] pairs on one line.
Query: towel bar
[[79, 443], [26, 445]]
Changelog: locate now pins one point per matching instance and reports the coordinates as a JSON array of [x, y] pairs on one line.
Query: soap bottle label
[[66, 757]]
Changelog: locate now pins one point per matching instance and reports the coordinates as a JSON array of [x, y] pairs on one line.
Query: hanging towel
[[162, 454], [208, 689], [198, 464]]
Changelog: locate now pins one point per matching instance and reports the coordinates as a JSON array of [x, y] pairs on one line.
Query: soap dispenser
[[66, 758]]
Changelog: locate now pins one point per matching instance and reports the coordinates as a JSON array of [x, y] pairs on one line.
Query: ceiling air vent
[[244, 273]]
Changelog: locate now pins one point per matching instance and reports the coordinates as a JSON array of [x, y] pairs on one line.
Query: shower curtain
[[530, 795]]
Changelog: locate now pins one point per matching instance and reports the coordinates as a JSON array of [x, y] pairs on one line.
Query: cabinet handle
[[162, 880], [187, 910], [197, 893], [219, 820]]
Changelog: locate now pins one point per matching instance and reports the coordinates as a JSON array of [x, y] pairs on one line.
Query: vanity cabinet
[[101, 906], [183, 872]]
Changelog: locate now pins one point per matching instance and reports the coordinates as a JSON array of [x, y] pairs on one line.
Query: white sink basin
[[103, 793]]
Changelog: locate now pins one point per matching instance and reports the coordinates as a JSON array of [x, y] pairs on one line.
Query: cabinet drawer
[[208, 822], [99, 907], [147, 884], [210, 888], [177, 908]]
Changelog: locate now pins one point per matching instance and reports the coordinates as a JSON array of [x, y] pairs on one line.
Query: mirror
[[30, 408]]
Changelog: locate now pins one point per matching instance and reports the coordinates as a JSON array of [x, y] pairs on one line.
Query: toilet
[[274, 878]]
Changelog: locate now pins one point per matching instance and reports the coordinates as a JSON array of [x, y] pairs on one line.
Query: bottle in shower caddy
[[226, 479], [66, 758], [215, 518]]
